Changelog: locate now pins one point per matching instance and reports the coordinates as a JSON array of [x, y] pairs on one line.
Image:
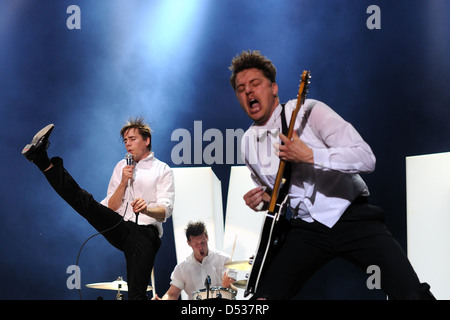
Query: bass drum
[[214, 293]]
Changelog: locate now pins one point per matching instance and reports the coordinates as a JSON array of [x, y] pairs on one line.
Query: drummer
[[203, 264]]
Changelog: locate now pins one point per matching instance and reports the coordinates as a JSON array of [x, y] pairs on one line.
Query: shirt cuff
[[177, 284], [321, 157], [168, 207]]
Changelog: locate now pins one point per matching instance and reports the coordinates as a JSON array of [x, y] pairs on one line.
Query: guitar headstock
[[304, 86]]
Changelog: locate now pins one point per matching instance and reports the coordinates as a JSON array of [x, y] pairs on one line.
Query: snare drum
[[214, 293]]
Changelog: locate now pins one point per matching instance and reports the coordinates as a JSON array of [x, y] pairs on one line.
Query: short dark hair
[[252, 59], [139, 124], [195, 229]]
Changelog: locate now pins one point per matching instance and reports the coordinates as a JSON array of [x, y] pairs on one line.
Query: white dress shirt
[[190, 275], [321, 191], [153, 181]]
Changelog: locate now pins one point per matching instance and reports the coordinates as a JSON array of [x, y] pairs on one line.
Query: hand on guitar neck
[[294, 150]]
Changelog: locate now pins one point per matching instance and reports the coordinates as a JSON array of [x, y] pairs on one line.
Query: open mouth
[[254, 105]]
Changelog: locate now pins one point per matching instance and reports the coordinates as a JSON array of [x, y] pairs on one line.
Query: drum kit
[[214, 293], [243, 265], [225, 293], [210, 292], [118, 285]]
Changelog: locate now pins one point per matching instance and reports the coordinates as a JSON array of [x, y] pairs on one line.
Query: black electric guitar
[[271, 233]]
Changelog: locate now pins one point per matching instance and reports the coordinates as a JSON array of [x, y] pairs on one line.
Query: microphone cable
[[94, 235]]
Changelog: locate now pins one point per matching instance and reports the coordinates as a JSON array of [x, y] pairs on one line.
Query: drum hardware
[[119, 284], [214, 293], [207, 285], [240, 284], [243, 265]]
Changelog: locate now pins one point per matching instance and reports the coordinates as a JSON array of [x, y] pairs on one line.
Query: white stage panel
[[428, 219], [198, 196], [242, 224]]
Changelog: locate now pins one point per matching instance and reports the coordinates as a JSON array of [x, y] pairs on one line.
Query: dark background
[[168, 61]]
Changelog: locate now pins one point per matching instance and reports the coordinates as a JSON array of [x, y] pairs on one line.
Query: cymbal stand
[[119, 296]]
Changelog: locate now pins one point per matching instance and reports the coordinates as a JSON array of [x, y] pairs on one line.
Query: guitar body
[[273, 229], [272, 233]]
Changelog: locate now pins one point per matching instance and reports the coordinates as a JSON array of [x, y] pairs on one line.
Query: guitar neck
[[300, 100], [282, 165], [276, 187]]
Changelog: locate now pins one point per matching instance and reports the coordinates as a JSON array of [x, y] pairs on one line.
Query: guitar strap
[[287, 169]]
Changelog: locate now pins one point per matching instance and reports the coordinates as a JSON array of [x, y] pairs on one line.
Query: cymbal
[[241, 284], [243, 265], [115, 285]]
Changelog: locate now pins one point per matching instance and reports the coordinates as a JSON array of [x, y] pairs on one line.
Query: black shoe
[[36, 151]]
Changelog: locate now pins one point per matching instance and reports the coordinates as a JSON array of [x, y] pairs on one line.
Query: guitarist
[[331, 214]]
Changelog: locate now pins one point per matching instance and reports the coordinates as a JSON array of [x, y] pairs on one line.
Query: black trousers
[[138, 243], [360, 237]]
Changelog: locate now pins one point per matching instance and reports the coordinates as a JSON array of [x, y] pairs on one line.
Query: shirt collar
[[148, 158], [272, 123]]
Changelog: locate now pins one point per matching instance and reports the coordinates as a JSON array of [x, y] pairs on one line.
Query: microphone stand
[[131, 199], [207, 284]]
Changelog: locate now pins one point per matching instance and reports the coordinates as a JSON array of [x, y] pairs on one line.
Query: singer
[[139, 199]]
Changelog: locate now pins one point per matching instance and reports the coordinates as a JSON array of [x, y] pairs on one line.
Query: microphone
[[130, 160], [207, 281]]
